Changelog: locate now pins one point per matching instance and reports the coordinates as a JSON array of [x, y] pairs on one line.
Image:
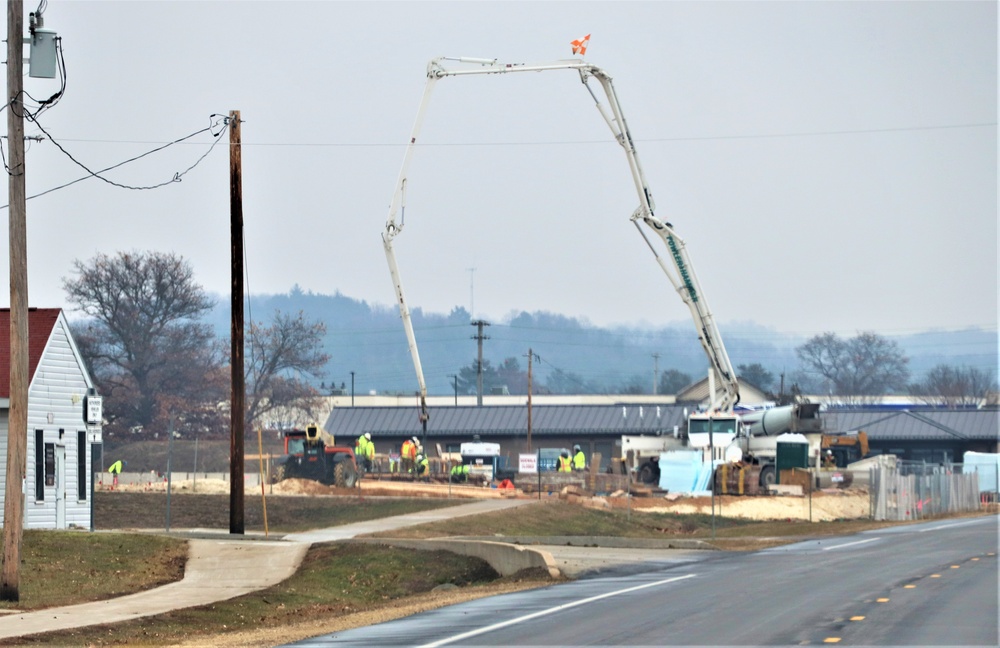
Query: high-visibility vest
[[364, 447], [116, 468], [564, 464], [406, 451], [579, 461], [460, 470]]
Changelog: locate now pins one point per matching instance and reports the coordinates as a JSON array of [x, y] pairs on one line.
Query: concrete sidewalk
[[221, 567]]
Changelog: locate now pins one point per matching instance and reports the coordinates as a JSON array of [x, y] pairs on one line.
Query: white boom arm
[[679, 270]]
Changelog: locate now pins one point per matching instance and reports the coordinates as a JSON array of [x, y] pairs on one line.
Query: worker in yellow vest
[[364, 450], [115, 470], [579, 460], [565, 463], [459, 473]]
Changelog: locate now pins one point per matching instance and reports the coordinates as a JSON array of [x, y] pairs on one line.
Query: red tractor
[[307, 456]]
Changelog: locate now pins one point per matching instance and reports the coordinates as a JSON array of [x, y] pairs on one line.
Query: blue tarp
[[986, 465], [683, 471]]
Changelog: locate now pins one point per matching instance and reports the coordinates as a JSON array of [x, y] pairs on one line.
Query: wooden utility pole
[[530, 356], [237, 414], [17, 422]]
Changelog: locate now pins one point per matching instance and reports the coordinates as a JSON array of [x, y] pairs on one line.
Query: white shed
[[57, 486]]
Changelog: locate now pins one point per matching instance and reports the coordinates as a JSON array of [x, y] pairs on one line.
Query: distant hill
[[369, 340]]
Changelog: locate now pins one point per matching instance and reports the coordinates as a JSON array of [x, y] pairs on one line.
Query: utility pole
[[17, 422], [352, 389], [237, 412], [656, 373], [530, 356], [454, 379], [479, 364]]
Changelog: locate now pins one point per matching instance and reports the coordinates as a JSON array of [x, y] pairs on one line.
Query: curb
[[597, 541], [506, 558]]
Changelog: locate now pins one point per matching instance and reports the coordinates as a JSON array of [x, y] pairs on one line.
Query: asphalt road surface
[[925, 584]]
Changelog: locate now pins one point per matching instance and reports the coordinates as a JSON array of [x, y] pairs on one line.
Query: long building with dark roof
[[931, 435]]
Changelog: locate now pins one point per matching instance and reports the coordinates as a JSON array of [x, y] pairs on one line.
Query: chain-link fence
[[909, 490]]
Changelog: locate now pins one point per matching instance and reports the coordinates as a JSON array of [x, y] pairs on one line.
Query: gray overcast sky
[[831, 165]]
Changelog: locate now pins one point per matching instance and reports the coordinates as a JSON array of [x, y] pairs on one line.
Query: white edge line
[[850, 544], [948, 526], [552, 610]]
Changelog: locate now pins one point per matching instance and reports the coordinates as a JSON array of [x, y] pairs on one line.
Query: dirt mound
[[825, 505]]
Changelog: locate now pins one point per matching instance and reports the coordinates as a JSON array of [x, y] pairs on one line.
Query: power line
[[97, 174], [692, 138]]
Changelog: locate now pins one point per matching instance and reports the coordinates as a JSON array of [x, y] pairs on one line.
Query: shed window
[[39, 465], [81, 465]]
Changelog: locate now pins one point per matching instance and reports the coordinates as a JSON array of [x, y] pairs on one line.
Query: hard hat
[[420, 457], [368, 435], [829, 452], [576, 447], [415, 439]]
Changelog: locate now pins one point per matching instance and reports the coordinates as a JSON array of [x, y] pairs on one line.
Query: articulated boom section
[[680, 272]]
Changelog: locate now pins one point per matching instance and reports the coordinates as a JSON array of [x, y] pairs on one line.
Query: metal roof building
[[461, 422], [920, 434]]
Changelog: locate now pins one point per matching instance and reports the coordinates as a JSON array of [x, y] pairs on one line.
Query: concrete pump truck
[[719, 417]]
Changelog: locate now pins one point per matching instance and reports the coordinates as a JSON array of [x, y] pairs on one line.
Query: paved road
[[930, 584]]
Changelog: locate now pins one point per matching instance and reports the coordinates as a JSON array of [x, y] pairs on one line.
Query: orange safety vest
[[565, 465]]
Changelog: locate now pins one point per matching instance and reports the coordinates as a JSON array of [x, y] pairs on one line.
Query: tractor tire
[[768, 476], [280, 474], [344, 475], [649, 474]]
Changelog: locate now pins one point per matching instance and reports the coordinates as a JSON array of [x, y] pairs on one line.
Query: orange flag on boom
[[580, 46]]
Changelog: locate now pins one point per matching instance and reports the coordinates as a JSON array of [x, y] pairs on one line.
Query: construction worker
[[459, 473], [415, 448], [364, 450], [422, 465], [565, 463], [115, 470], [829, 461], [579, 460], [406, 460]]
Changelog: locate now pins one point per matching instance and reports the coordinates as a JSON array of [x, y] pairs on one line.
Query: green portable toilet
[[792, 451]]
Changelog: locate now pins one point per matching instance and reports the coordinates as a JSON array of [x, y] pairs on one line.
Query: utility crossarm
[[678, 269]]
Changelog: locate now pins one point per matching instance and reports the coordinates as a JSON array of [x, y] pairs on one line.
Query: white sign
[[94, 435], [527, 463], [93, 409]]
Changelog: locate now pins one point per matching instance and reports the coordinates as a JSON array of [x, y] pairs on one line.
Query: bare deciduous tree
[[859, 368], [280, 355], [143, 342], [954, 386]]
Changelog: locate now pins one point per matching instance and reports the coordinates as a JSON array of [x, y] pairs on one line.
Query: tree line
[[148, 344]]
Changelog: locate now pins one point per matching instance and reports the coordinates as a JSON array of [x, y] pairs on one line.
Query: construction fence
[[907, 490]]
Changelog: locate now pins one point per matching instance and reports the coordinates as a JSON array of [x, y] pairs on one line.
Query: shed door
[[60, 487]]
